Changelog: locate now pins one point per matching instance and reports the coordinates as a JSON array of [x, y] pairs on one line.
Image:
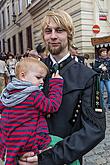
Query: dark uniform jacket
[[81, 127], [104, 75], [80, 59]]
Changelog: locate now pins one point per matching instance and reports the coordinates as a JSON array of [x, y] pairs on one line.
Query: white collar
[[64, 58]]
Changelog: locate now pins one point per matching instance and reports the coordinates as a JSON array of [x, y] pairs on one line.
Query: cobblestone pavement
[[100, 155]]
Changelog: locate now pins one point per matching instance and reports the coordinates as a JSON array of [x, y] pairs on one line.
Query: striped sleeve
[[53, 102], [1, 107]]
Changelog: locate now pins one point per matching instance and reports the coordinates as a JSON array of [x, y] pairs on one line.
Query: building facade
[[15, 26], [20, 23]]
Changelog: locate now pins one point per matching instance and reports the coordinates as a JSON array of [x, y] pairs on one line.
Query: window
[[28, 2], [0, 47], [19, 6], [0, 23], [3, 41], [21, 42], [3, 19], [8, 14], [9, 45], [14, 44], [102, 5], [29, 37], [13, 6]]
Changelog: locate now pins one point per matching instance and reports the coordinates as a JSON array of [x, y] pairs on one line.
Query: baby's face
[[36, 76]]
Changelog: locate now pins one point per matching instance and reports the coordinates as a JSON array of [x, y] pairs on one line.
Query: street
[[100, 155]]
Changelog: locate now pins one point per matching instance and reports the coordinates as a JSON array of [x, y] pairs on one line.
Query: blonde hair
[[62, 19], [26, 64]]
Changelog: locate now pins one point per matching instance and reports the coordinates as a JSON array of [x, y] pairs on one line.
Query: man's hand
[[28, 159]]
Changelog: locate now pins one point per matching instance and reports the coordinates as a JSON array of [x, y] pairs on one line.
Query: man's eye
[[59, 30], [48, 30]]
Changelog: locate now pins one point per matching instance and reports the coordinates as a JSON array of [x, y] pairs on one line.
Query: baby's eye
[[38, 77]]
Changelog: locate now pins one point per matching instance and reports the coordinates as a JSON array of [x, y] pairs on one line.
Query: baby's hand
[[104, 68], [56, 75]]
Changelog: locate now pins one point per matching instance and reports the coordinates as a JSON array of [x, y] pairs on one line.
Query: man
[[77, 120], [75, 55]]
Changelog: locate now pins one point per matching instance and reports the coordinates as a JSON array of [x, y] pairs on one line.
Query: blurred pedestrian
[[102, 67], [75, 55], [87, 61], [41, 50], [33, 53], [4, 75], [108, 53], [11, 62]]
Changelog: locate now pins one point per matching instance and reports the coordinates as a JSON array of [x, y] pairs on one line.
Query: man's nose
[[53, 34]]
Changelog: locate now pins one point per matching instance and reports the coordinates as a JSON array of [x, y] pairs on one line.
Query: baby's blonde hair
[[62, 19], [26, 63]]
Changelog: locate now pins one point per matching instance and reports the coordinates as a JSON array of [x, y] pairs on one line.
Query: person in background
[[87, 61], [11, 62], [25, 103], [78, 122], [4, 74], [33, 53], [102, 67], [28, 50], [41, 50], [108, 53], [75, 54]]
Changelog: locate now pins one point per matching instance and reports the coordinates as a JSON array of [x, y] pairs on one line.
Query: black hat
[[40, 48]]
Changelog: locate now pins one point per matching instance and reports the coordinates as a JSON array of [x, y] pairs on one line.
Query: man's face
[[55, 38]]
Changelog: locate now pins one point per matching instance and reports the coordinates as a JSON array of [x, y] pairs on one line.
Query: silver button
[[78, 106], [48, 116], [73, 120], [77, 110], [75, 115]]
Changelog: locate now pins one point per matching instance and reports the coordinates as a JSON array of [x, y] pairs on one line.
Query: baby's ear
[[22, 76]]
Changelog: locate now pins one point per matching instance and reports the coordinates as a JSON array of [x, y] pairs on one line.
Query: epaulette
[[97, 95]]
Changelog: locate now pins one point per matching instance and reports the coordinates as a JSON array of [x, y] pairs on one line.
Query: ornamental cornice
[[37, 5], [2, 2]]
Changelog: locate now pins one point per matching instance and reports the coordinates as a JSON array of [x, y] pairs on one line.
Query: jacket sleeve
[[79, 143]]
